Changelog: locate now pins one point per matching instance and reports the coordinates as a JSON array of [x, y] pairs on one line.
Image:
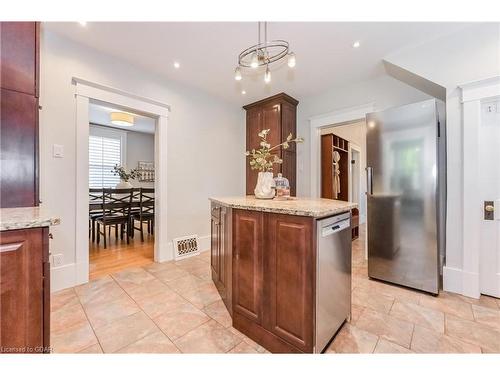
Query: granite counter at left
[[26, 217]]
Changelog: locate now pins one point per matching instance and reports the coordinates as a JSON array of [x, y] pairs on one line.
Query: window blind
[[104, 154]]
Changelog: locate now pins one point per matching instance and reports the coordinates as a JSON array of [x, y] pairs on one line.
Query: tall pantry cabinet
[[279, 114]]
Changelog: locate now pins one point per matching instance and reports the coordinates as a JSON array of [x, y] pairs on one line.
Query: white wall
[[469, 55], [355, 133], [384, 92], [205, 147], [140, 147]]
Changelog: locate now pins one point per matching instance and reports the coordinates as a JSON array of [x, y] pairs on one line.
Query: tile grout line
[[90, 324]]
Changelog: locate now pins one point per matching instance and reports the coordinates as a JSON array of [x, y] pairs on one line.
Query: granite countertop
[[315, 207], [26, 217]]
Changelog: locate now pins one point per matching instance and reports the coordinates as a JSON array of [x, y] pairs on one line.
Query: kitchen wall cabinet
[[19, 61], [24, 291], [279, 114]]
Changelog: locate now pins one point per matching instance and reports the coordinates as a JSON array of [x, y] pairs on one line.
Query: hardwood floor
[[119, 255]]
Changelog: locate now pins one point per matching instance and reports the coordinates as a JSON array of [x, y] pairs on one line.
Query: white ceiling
[[207, 51], [101, 115]]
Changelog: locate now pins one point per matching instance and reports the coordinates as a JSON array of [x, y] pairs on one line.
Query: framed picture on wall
[[146, 171]]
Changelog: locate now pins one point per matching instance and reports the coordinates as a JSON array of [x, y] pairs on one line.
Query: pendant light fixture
[[264, 53]]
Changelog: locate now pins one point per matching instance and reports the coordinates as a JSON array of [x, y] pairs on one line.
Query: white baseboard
[[62, 277], [462, 282]]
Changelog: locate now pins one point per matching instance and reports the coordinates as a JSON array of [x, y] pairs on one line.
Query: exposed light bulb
[[237, 74], [291, 60], [254, 62], [267, 75], [243, 92], [356, 44], [177, 65], [82, 23]]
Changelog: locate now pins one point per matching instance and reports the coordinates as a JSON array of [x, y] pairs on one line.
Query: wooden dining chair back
[[116, 204], [146, 212], [95, 197]]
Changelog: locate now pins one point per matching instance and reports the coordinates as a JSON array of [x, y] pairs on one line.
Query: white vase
[[265, 186], [123, 185]]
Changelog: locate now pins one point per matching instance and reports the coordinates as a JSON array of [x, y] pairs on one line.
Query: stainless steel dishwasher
[[333, 277]]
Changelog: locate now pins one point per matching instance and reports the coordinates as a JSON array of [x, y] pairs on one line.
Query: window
[[106, 149]]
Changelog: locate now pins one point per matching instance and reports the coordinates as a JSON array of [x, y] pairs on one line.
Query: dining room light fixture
[[264, 53], [122, 119]]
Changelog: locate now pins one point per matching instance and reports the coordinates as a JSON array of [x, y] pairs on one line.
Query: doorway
[[89, 92], [121, 189]]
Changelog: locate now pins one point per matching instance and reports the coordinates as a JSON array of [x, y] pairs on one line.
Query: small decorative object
[[146, 171], [118, 170], [336, 174], [282, 187], [262, 160]]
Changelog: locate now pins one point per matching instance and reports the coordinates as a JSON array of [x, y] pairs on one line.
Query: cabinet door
[[18, 126], [289, 279], [21, 289], [247, 264], [18, 56]]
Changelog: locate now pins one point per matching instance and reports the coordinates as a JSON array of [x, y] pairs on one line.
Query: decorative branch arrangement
[[118, 170], [262, 159]]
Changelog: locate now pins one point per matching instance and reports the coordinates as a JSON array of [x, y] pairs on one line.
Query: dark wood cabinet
[[19, 57], [18, 149], [268, 249], [279, 114], [247, 265], [289, 256], [221, 252], [24, 291]]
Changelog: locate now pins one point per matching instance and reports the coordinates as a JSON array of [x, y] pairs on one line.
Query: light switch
[[57, 151]]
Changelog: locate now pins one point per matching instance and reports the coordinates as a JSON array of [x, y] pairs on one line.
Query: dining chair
[[95, 197], [116, 205], [146, 212]]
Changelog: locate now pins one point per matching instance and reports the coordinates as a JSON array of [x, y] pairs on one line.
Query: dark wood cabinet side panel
[[18, 152], [19, 56], [247, 264], [327, 166], [289, 279], [21, 291]]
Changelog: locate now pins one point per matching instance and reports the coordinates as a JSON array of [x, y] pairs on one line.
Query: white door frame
[[85, 91], [352, 146], [326, 120], [466, 281]]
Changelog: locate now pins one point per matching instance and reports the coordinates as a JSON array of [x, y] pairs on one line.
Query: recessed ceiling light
[[82, 23], [177, 65], [356, 44], [243, 92]]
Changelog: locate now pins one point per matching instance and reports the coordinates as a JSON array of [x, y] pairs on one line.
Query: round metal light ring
[[272, 51]]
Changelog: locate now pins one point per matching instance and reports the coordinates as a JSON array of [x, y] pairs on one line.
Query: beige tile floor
[[175, 308]]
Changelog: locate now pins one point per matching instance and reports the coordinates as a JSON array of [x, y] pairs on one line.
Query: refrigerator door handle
[[369, 180]]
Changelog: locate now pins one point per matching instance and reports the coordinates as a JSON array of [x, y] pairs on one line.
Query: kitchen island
[[283, 268]]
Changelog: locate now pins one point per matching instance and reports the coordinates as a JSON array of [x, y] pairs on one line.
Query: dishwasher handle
[[328, 230]]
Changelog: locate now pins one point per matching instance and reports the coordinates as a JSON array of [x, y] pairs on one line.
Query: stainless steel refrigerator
[[406, 196]]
